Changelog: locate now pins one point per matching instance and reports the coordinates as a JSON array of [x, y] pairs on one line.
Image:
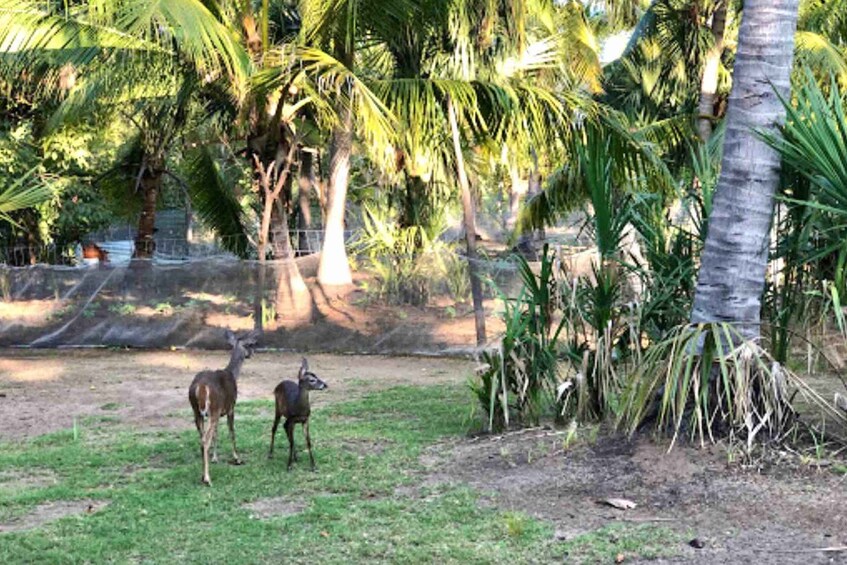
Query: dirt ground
[[780, 514], [49, 388], [759, 514]]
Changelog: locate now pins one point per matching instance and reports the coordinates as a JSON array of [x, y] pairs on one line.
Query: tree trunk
[[304, 208], [732, 272], [470, 226], [334, 268], [151, 186], [293, 299], [709, 84], [518, 190]]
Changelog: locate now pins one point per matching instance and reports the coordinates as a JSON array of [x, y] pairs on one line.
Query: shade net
[[188, 303]]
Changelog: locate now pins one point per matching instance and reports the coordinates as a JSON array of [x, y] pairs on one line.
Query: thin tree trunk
[[709, 83], [334, 268], [470, 226], [518, 190], [151, 186], [732, 272], [304, 209]]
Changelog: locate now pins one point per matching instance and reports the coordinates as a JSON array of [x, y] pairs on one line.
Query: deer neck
[[235, 362], [303, 397]]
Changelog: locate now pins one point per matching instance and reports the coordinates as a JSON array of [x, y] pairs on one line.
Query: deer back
[[292, 401], [221, 388]]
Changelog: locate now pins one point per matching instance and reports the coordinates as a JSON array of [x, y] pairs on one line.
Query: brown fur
[[292, 403], [213, 394]]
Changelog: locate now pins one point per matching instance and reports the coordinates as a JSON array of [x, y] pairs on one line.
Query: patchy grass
[[348, 511], [645, 541], [355, 508]]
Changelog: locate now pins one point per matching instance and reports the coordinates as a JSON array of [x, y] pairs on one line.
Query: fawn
[[292, 401], [212, 394]]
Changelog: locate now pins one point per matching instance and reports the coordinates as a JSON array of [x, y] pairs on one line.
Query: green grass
[[352, 513], [159, 512], [645, 541]]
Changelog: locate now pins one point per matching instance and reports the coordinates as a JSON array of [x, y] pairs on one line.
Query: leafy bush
[[410, 264], [517, 382]]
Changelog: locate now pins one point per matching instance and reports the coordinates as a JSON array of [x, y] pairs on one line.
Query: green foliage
[[709, 382], [517, 381], [409, 264]]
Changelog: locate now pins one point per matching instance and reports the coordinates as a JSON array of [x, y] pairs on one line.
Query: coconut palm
[[732, 272], [166, 53]]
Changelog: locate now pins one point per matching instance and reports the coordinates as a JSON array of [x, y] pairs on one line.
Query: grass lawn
[[353, 509]]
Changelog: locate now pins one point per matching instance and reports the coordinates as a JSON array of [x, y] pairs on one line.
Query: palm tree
[[166, 52], [340, 28], [732, 272]]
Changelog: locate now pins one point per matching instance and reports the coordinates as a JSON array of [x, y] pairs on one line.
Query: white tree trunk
[[709, 83], [732, 272], [334, 268]]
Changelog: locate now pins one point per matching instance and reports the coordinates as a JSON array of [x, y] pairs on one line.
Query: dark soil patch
[[50, 512], [278, 507], [741, 516]]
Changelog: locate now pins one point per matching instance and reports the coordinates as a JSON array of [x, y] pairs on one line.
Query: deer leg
[[215, 443], [289, 431], [198, 421], [208, 437], [273, 434], [309, 443], [230, 422]]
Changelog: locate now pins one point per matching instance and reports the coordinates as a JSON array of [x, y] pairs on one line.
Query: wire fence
[[119, 247]]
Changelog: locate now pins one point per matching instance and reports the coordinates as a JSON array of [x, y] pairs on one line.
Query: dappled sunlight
[[31, 370], [216, 299], [229, 321], [29, 312]]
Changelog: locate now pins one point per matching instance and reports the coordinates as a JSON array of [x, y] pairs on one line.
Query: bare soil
[[775, 514], [43, 391], [763, 514], [52, 511]]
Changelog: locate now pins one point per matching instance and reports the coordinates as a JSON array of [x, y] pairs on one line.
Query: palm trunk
[[293, 299], [304, 209], [518, 190], [732, 272], [151, 186], [334, 268], [470, 226], [709, 84]]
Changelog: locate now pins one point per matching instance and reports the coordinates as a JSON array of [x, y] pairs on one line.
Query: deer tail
[[203, 400]]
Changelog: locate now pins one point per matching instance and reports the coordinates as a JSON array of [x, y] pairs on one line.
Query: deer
[[212, 394], [292, 402]]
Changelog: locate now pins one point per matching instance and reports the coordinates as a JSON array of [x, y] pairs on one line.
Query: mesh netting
[[187, 303]]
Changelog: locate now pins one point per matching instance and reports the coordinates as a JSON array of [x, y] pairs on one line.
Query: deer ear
[[304, 368], [230, 338], [251, 337]]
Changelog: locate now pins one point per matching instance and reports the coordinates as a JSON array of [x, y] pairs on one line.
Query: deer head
[[308, 379]]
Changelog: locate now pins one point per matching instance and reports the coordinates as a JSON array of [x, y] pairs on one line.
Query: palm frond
[[215, 202], [25, 192]]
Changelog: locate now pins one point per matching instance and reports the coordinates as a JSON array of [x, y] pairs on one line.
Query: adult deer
[[292, 402], [212, 394]]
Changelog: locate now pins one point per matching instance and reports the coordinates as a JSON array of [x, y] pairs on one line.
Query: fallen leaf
[[620, 503], [619, 558], [325, 534]]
